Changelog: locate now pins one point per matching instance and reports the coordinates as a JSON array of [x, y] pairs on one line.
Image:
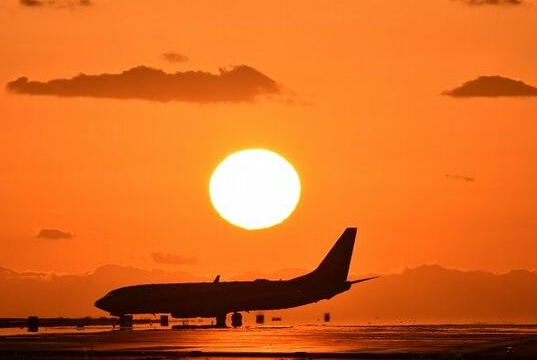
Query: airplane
[[217, 299]]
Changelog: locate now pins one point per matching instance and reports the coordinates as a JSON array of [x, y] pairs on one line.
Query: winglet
[[217, 279]]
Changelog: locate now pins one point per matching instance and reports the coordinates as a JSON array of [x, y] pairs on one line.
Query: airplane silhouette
[[216, 299]]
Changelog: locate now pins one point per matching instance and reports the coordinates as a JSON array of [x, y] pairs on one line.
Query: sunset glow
[[173, 141]]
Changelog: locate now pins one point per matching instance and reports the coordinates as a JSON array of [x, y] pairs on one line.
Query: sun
[[254, 189]]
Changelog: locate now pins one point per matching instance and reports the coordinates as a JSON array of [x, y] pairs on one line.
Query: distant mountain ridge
[[426, 294]]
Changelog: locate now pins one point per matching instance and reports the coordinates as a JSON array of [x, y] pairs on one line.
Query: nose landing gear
[[125, 322]]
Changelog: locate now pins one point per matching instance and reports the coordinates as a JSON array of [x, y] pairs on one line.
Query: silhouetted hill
[[434, 294], [424, 294], [25, 293]]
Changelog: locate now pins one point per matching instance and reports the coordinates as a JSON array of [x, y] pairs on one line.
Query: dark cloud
[[55, 3], [460, 177], [492, 86], [492, 2], [31, 3], [174, 57], [53, 234], [173, 259], [235, 84]]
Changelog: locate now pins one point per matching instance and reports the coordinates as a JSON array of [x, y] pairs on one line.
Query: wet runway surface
[[298, 341]]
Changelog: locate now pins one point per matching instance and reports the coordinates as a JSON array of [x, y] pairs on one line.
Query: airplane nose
[[100, 304]]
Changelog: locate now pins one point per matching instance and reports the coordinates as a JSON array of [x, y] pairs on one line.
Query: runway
[[360, 342]]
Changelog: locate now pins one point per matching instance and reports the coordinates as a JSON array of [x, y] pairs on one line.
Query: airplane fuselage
[[185, 300]]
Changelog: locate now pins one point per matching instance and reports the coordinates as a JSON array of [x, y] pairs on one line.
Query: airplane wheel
[[236, 320]]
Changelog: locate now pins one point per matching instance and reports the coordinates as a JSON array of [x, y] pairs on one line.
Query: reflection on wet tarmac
[[310, 339]]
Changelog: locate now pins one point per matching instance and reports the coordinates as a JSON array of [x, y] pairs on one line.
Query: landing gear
[[221, 321], [125, 322], [236, 320]]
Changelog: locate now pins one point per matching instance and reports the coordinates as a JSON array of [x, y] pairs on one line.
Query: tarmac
[[300, 342]]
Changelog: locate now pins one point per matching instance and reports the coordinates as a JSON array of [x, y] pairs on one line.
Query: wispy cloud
[[460, 177], [53, 234], [58, 4], [491, 2], [173, 259], [236, 84], [492, 86], [174, 57]]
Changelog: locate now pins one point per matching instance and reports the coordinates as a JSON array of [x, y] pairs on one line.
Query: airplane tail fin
[[335, 266]]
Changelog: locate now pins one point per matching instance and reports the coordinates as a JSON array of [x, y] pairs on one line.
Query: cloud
[[492, 2], [174, 57], [53, 234], [30, 3], [60, 4], [173, 259], [460, 177], [492, 86], [236, 84]]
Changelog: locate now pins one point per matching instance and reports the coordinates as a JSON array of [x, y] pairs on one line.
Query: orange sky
[[361, 118]]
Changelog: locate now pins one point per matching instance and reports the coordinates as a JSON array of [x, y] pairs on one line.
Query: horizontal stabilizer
[[362, 280]]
